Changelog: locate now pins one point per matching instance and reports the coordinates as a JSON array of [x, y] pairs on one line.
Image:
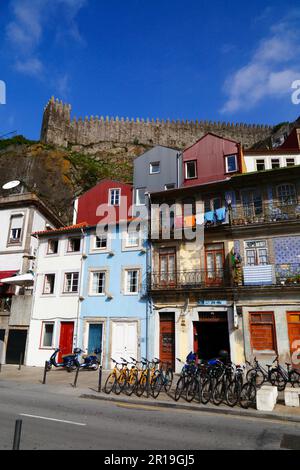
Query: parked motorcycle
[[69, 361], [90, 361]]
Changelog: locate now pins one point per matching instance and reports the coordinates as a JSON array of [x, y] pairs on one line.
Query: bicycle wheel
[[157, 385], [179, 388], [192, 390], [258, 374], [277, 379], [295, 378], [120, 384], [168, 380], [110, 383], [131, 384], [141, 386], [206, 391], [232, 394], [218, 393], [248, 395]]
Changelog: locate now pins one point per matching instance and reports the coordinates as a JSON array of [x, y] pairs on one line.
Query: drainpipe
[[81, 291]]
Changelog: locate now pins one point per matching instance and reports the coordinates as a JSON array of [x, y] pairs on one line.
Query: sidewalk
[[61, 382]]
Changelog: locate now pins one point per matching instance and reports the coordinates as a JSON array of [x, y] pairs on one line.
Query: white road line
[[52, 419]]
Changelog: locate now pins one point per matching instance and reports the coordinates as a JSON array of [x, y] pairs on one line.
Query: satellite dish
[[11, 184]]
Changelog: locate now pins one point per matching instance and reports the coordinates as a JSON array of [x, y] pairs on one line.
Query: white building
[[260, 160], [57, 296], [20, 215]]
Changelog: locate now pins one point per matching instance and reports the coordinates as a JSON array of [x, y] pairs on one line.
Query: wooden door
[[124, 341], [214, 264], [66, 339], [167, 267], [294, 337], [167, 338], [95, 337]]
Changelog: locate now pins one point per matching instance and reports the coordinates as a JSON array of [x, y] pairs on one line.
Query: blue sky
[[194, 59]]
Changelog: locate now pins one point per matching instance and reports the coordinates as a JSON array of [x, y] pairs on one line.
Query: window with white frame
[[260, 164], [140, 198], [16, 225], [231, 163], [256, 252], [98, 280], [52, 248], [71, 283], [154, 168], [47, 335], [132, 238], [74, 244], [131, 281], [191, 169], [290, 162], [169, 186], [114, 197], [49, 284], [101, 242], [275, 163]]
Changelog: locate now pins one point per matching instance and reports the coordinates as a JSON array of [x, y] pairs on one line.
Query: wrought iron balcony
[[264, 213], [278, 275]]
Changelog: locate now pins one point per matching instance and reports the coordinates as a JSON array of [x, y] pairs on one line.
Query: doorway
[[211, 335], [95, 337], [16, 345], [167, 338], [214, 264], [294, 337], [66, 339]]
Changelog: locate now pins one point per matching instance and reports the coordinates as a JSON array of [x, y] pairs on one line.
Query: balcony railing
[[256, 276], [262, 213], [5, 305]]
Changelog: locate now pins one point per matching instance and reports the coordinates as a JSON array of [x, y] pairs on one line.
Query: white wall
[[250, 160]]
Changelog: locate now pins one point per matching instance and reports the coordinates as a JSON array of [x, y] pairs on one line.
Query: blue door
[[95, 337]]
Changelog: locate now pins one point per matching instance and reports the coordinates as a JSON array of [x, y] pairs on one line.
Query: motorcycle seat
[[68, 355]]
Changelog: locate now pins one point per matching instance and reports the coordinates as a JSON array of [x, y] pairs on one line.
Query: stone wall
[[59, 129]]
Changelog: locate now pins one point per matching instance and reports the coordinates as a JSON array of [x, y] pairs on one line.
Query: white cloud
[[26, 31], [273, 67]]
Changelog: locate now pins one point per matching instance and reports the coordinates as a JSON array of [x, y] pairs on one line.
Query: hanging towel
[[221, 214], [209, 216]]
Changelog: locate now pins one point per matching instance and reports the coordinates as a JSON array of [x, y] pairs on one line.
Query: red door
[[66, 339], [294, 337], [167, 338]]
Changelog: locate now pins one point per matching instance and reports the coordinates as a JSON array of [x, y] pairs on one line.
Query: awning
[[21, 280], [6, 274]]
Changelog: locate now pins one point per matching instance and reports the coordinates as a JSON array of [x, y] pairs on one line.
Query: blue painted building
[[113, 313]]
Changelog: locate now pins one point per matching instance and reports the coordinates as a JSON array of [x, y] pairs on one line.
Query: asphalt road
[[58, 421]]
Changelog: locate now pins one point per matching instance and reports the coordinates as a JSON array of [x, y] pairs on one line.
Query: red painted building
[[212, 158], [113, 197], [293, 140]]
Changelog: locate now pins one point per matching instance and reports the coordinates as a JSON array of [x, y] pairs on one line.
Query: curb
[[199, 408]]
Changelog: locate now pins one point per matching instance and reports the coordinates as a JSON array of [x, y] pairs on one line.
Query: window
[[71, 283], [252, 202], [49, 283], [260, 165], [154, 168], [52, 247], [191, 170], [132, 238], [275, 163], [98, 283], [47, 335], [256, 252], [170, 186], [212, 204], [114, 197], [262, 330], [140, 198], [231, 163], [290, 162], [101, 242], [16, 225], [287, 194], [74, 245], [132, 280]]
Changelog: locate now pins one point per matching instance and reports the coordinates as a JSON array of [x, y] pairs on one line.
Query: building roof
[[213, 135], [68, 229]]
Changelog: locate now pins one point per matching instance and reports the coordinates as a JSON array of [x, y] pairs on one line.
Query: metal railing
[[264, 213], [189, 279], [5, 304]]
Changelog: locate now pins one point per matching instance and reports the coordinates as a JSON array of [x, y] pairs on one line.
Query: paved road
[[57, 421]]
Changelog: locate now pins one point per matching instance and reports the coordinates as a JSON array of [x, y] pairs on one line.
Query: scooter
[[91, 361], [69, 361]]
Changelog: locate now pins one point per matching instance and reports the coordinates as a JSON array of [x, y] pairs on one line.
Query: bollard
[[21, 361], [148, 382], [76, 377], [17, 436], [100, 379], [45, 372]]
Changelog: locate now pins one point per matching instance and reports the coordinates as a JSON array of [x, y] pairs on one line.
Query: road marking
[[52, 419]]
